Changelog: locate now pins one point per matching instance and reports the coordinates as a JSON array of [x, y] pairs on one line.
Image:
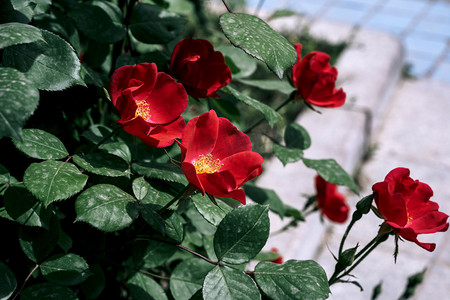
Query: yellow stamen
[[143, 110], [206, 164]]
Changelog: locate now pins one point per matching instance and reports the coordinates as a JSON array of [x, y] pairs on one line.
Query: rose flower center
[[143, 110], [206, 164]]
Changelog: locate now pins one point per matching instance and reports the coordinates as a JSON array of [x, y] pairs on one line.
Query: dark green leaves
[[19, 99], [153, 25], [257, 39], [296, 139], [8, 282], [145, 288], [39, 144], [106, 207], [53, 180], [211, 212], [102, 164], [24, 208], [242, 234], [269, 113], [48, 291], [51, 64], [68, 269], [187, 278], [101, 21], [332, 172], [292, 280], [17, 33], [163, 171], [228, 284]]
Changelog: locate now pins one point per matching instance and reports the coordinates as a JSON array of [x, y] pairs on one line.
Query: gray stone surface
[[410, 129]]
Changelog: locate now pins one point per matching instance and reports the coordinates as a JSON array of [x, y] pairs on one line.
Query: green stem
[[349, 227], [362, 254], [262, 119], [188, 189], [112, 133]]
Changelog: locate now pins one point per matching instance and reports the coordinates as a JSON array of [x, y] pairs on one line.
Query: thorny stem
[[349, 227], [226, 5], [362, 254], [262, 119], [25, 282]]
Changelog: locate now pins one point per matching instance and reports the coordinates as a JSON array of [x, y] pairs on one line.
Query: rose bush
[[315, 79], [217, 158], [91, 211], [405, 204], [331, 203], [199, 68], [150, 103]]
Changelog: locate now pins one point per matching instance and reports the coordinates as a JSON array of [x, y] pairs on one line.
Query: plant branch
[[25, 282], [262, 119], [199, 255], [228, 8], [188, 189]]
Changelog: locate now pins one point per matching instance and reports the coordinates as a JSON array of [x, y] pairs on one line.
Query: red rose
[[199, 68], [315, 79], [217, 158], [150, 103], [331, 203], [405, 204]]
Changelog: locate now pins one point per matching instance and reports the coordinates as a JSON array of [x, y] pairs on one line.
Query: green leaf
[[297, 137], [18, 33], [157, 253], [265, 196], [145, 288], [51, 64], [187, 278], [292, 280], [287, 155], [19, 99], [163, 171], [8, 282], [281, 86], [332, 172], [269, 113], [48, 291], [37, 243], [242, 234], [102, 164], [174, 226], [140, 188], [240, 64], [93, 286], [259, 40], [153, 25], [4, 175], [53, 180], [153, 218], [106, 207], [119, 149], [39, 144], [17, 10], [24, 208], [228, 284], [66, 269], [212, 213], [282, 13], [100, 21]]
